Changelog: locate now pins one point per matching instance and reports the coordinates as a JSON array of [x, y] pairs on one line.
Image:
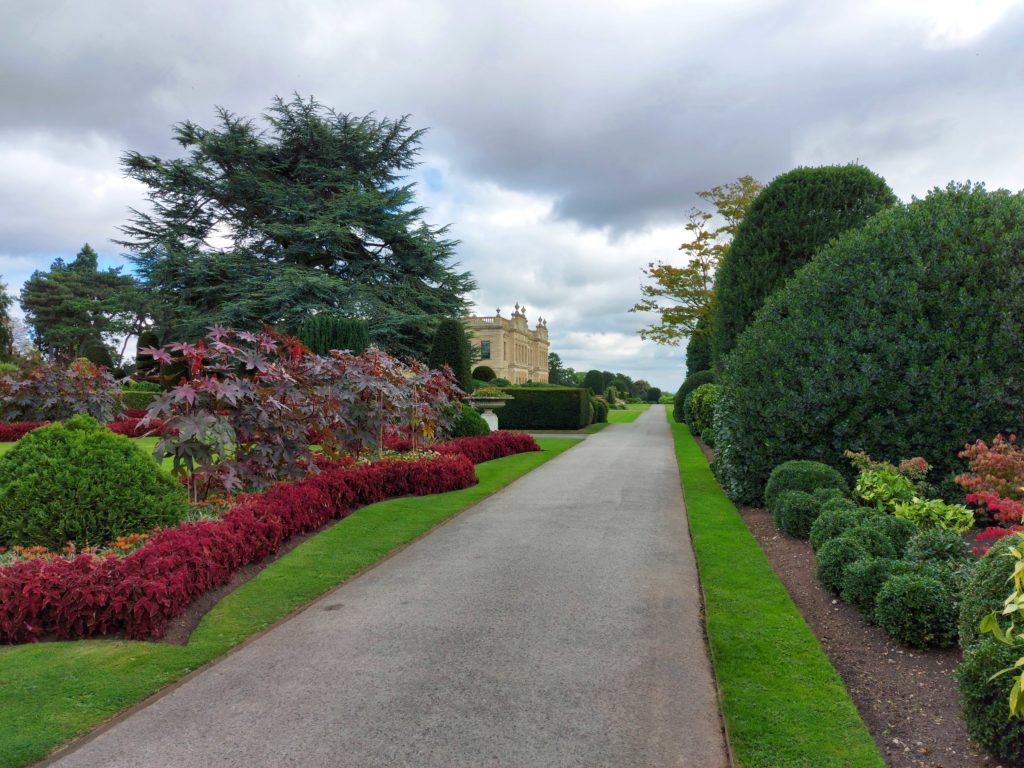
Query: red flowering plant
[[994, 483]]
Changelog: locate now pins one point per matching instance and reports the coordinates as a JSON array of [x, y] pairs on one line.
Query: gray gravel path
[[557, 623]]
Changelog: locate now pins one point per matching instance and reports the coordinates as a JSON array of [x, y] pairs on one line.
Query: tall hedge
[[546, 408], [792, 218], [324, 332], [451, 347], [903, 338], [698, 348]]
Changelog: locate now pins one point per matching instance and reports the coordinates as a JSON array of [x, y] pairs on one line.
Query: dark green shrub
[[99, 353], [80, 482], [500, 382], [566, 408], [793, 217], [600, 410], [829, 494], [833, 558], [917, 610], [872, 537], [899, 339], [805, 476], [141, 386], [135, 398], [708, 436], [691, 382], [984, 700], [702, 407], [899, 531], [836, 517], [323, 332], [652, 395], [937, 544], [484, 373], [594, 381], [986, 590], [469, 423], [451, 348], [862, 581], [796, 512]]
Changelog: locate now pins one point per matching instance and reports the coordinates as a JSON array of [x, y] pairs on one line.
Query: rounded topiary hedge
[[984, 699], [862, 580], [80, 482], [917, 610], [836, 517], [484, 373], [806, 476], [469, 423], [901, 338], [793, 217], [795, 512], [700, 407], [936, 544]]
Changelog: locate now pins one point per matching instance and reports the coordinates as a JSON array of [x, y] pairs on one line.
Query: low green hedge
[[544, 408], [134, 398]]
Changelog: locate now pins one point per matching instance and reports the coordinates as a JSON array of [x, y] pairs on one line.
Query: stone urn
[[487, 405]]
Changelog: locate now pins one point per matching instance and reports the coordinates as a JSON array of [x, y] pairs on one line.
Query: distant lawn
[[632, 412], [784, 704], [52, 692]]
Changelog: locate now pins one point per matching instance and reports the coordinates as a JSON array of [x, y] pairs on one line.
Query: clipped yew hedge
[[546, 408], [902, 338]]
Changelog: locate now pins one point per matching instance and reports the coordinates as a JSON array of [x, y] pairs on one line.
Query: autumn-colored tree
[[683, 296]]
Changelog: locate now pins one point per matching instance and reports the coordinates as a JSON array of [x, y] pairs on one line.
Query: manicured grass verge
[[784, 704], [627, 416], [52, 692]]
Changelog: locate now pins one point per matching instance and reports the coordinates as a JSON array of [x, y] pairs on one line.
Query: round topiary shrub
[[833, 558], [469, 423], [987, 588], [806, 476], [80, 482], [917, 610], [600, 410], [796, 512], [872, 537], [914, 316], [984, 699], [484, 373], [835, 518], [862, 580], [899, 531], [936, 544]]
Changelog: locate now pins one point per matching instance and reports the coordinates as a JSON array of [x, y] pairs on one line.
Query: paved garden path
[[557, 623]]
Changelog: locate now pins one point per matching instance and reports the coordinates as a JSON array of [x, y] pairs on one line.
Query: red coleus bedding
[[139, 593]]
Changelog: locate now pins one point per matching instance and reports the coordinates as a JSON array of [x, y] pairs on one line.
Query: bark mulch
[[906, 697]]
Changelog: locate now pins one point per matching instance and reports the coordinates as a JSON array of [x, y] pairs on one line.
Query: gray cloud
[[599, 119]]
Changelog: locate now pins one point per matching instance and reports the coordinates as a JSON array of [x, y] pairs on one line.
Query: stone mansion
[[509, 347]]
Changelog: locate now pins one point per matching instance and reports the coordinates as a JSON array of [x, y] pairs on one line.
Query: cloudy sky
[[567, 138]]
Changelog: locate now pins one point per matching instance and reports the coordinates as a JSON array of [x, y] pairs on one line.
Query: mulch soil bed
[[906, 697]]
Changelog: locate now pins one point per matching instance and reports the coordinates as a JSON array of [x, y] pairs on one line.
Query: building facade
[[509, 347]]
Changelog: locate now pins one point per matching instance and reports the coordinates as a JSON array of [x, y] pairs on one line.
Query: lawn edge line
[[103, 726]]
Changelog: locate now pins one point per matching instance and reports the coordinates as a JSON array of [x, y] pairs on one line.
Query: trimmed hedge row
[[567, 408], [140, 593]]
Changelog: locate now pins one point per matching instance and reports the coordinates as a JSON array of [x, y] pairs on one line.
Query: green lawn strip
[[783, 702], [627, 416], [52, 692]]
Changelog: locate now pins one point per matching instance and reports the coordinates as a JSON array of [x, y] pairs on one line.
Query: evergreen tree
[[451, 348], [316, 216], [73, 307], [6, 329], [594, 381]]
